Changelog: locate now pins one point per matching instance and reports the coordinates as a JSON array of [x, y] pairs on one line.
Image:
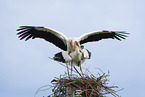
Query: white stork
[[72, 50]]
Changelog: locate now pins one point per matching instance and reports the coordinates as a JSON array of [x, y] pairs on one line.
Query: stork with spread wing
[[73, 52]]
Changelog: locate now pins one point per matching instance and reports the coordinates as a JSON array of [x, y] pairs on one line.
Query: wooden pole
[[71, 92]]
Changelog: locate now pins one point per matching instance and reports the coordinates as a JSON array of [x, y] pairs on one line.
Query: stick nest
[[88, 86]]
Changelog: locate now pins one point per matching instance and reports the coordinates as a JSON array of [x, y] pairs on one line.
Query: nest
[[87, 86]]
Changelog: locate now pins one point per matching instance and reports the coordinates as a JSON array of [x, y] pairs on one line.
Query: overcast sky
[[25, 66]]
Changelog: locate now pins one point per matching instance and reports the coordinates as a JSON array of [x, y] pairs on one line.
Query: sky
[[25, 66]]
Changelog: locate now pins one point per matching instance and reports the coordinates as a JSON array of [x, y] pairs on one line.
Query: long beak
[[70, 48], [77, 43]]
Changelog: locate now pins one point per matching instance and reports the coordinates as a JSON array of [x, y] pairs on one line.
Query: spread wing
[[99, 35], [57, 38]]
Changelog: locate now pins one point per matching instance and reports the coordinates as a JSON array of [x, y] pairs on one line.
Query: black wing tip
[[18, 29], [31, 26], [122, 34], [23, 28], [119, 35], [26, 37], [26, 32], [28, 27]]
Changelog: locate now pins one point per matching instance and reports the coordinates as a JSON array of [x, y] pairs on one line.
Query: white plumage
[[72, 50]]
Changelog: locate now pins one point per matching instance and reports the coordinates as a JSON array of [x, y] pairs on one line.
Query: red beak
[[70, 47]]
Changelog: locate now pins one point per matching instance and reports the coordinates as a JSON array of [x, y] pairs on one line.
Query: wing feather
[[99, 35], [21, 32], [57, 38], [25, 35], [28, 37]]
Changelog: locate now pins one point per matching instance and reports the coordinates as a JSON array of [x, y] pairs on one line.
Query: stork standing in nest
[[73, 52]]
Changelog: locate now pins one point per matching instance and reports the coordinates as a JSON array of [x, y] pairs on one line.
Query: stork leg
[[71, 68], [68, 69], [81, 70]]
